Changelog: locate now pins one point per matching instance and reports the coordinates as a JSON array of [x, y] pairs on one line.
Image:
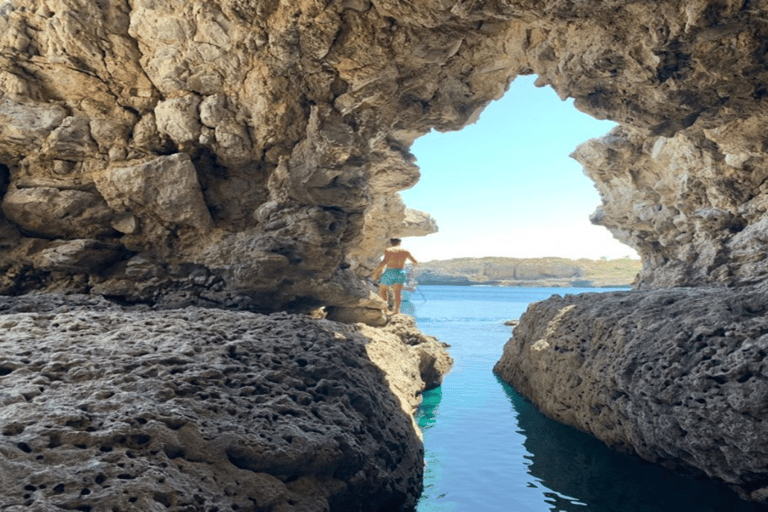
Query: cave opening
[[506, 185]]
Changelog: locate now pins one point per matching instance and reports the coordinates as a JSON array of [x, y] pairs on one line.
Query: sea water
[[488, 449]]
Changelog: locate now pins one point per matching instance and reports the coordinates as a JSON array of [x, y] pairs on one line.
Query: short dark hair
[[395, 241]]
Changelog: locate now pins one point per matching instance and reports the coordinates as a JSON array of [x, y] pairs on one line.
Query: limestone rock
[[350, 315], [71, 140], [681, 205], [248, 154], [106, 407], [416, 223], [25, 126], [9, 235], [51, 212], [402, 341], [306, 105], [676, 376], [125, 223], [299, 105], [165, 187], [179, 119], [76, 255]]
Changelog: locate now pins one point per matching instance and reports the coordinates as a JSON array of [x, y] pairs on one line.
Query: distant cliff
[[529, 272]]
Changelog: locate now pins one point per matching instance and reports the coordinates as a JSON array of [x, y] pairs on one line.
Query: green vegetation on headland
[[529, 272]]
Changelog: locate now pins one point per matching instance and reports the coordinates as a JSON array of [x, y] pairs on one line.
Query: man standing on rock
[[395, 276]]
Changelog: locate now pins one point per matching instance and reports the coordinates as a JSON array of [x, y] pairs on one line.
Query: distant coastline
[[531, 272]]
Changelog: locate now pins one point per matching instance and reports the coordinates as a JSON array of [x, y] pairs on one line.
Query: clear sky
[[505, 186]]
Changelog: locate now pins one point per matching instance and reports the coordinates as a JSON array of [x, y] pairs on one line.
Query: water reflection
[[429, 408], [426, 417], [581, 474]]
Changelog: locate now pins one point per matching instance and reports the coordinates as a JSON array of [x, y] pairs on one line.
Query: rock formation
[[108, 408], [676, 376], [228, 154], [247, 154]]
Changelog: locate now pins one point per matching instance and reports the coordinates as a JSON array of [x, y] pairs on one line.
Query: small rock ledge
[[109, 408], [676, 376]]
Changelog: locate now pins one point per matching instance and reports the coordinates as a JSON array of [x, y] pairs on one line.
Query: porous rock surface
[[108, 408], [677, 376]]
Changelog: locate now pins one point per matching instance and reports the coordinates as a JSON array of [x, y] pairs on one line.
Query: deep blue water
[[488, 449]]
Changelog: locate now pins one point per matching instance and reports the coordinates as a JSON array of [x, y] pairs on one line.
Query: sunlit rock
[[166, 188], [299, 105], [416, 223]]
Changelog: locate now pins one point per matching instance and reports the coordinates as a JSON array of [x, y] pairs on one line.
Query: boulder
[[26, 125], [55, 213], [676, 376], [165, 188], [76, 255], [109, 407], [416, 223]]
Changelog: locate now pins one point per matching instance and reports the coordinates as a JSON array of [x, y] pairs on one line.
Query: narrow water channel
[[488, 449]]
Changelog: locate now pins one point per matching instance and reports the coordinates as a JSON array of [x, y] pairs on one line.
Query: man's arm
[[379, 270], [412, 259]]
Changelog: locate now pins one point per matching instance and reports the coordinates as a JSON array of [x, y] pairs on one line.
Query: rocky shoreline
[[113, 408], [677, 377]]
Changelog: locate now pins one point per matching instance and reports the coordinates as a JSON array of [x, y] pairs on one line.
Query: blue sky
[[506, 186]]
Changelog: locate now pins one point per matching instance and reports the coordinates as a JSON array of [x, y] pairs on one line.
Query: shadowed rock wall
[[675, 376]]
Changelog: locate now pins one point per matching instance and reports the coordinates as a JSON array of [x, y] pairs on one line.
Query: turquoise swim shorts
[[393, 276]]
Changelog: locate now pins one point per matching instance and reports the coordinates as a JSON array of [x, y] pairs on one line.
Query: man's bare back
[[396, 257]]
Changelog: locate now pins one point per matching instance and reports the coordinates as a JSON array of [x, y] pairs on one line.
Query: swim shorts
[[393, 276]]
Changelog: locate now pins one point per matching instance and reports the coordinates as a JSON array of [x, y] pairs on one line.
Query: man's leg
[[384, 293], [397, 289]]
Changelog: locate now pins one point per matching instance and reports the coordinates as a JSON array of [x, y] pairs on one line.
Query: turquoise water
[[488, 449]]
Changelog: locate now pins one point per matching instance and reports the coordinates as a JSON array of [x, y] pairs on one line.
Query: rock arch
[[249, 154]]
